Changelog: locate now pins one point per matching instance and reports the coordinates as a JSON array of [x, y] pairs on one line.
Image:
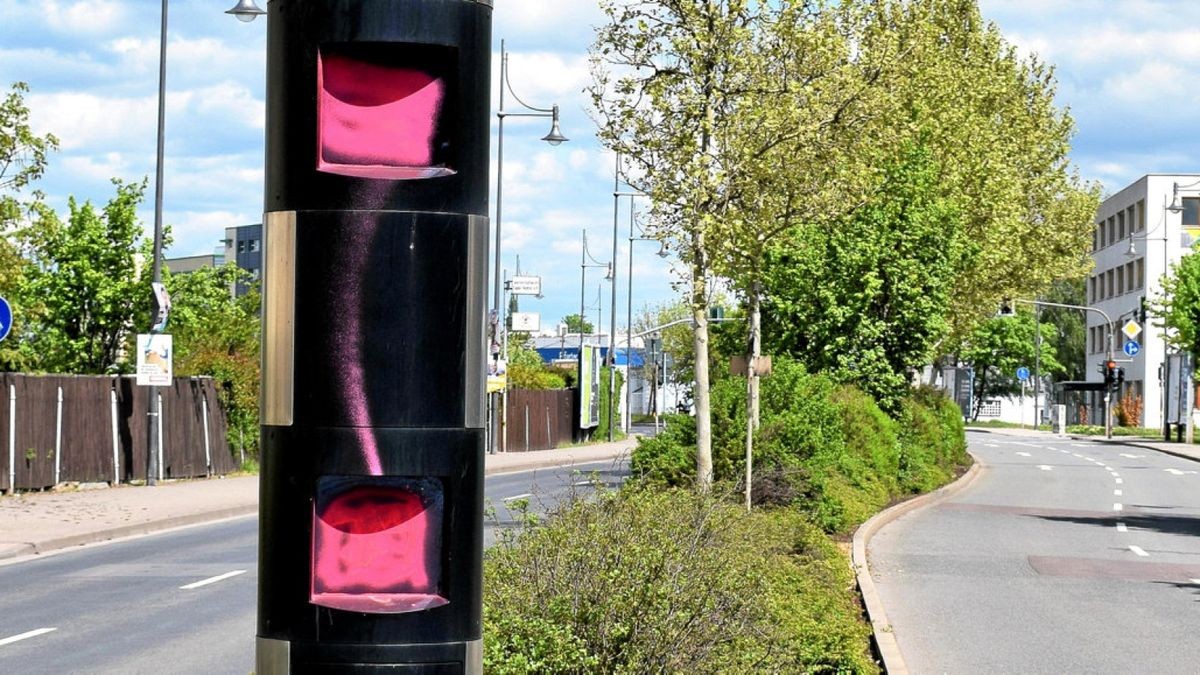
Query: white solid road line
[[1024, 454], [520, 496], [1138, 550], [211, 580], [1125, 454], [26, 636], [1122, 528]]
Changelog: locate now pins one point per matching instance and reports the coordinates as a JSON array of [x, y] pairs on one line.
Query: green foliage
[[606, 404], [1070, 326], [866, 299], [824, 448], [23, 159], [85, 286], [669, 581], [217, 335], [576, 324], [1178, 308], [1001, 345], [526, 369]]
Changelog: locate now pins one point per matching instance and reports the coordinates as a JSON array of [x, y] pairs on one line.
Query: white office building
[[1140, 231]]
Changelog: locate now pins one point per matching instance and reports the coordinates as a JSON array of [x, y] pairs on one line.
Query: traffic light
[[1142, 310], [1120, 375], [1110, 373], [375, 274]]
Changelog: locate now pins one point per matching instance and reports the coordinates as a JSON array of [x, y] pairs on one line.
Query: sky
[[1127, 70]]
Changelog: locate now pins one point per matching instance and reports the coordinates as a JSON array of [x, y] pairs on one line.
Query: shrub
[[1129, 410], [668, 458], [825, 448], [668, 581]]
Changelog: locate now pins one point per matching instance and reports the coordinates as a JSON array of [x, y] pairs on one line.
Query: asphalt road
[[183, 601], [1063, 557]]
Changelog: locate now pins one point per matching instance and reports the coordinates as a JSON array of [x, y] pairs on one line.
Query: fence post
[[12, 439], [526, 427], [551, 443], [116, 439], [161, 417], [58, 438], [207, 452]]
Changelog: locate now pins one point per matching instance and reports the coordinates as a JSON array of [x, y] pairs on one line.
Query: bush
[[668, 581], [825, 448]]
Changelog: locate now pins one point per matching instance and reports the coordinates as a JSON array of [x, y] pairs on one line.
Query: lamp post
[[152, 412], [586, 260], [1176, 206], [662, 253], [555, 137]]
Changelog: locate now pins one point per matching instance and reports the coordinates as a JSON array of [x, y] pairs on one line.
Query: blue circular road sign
[[5, 318], [1022, 373], [1132, 348]]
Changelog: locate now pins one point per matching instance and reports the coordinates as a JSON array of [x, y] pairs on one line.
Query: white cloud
[[84, 16]]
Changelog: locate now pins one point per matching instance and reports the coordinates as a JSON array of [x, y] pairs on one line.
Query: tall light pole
[[586, 260], [662, 253], [555, 137], [1176, 206]]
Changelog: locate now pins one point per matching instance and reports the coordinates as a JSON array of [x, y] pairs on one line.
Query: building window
[[254, 246], [1140, 272], [242, 246], [254, 274], [1112, 230], [1103, 228], [1191, 211], [1141, 215], [1121, 225]]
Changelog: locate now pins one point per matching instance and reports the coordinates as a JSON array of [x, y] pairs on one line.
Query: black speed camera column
[[373, 316]]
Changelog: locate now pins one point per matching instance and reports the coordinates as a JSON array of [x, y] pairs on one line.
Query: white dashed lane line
[[1117, 507], [1122, 528], [211, 580], [1116, 493], [1139, 552], [26, 635]]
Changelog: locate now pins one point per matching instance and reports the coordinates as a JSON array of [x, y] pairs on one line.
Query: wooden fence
[[540, 420], [62, 428]]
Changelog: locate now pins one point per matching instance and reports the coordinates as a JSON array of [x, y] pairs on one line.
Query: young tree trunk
[[752, 416], [704, 467]]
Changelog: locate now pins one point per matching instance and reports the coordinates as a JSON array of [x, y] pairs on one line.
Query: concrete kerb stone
[[885, 639]]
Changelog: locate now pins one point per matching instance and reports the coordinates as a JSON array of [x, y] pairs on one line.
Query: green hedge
[[825, 448], [669, 581]]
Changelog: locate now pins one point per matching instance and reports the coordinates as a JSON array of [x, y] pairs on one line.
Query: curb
[[22, 549], [885, 638]]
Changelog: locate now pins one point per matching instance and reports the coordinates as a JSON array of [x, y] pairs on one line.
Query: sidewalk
[[39, 522], [1184, 450]]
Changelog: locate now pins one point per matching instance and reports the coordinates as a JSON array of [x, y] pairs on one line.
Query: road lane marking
[[1117, 507], [1177, 472], [1122, 528], [26, 635], [1114, 473], [1196, 581], [1083, 445], [1138, 550], [582, 482], [1024, 454], [1125, 454], [990, 445], [520, 496], [1076, 454], [1120, 481], [1028, 445], [1116, 493], [1045, 467], [211, 580]]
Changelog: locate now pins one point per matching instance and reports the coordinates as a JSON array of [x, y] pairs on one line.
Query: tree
[[217, 335], [1070, 326], [1178, 308], [866, 299], [1001, 345], [85, 273], [990, 118], [667, 75], [577, 325], [22, 161]]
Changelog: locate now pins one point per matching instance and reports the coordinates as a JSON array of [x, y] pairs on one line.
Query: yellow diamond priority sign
[[1131, 329]]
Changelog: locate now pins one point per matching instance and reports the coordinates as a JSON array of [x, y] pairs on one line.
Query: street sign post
[[1132, 348], [525, 285], [1131, 329], [1022, 373]]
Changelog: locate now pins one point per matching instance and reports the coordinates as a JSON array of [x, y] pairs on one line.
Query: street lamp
[[555, 137], [245, 11], [662, 253], [1132, 252], [1176, 206], [586, 260]]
